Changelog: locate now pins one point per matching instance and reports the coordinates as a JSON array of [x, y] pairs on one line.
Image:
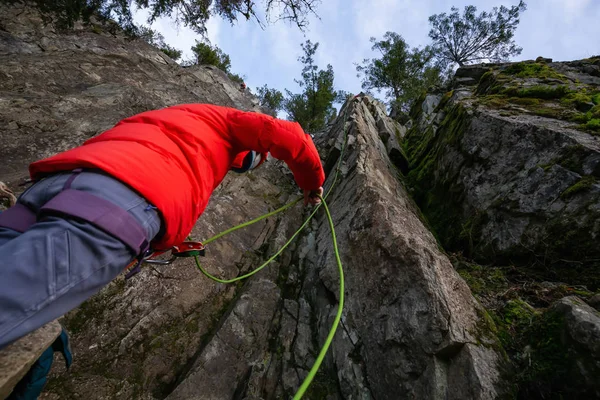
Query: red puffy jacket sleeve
[[285, 141]]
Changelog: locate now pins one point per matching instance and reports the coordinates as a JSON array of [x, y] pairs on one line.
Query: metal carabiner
[[185, 249], [161, 262]]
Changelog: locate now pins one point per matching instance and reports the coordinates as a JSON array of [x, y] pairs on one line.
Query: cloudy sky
[[560, 29]]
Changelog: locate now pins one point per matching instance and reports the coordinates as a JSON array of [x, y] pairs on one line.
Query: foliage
[[207, 54], [235, 77], [313, 107], [269, 98], [64, 14], [467, 38], [190, 13], [403, 73], [157, 39]]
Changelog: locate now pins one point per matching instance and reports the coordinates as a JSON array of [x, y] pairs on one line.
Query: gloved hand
[[312, 196]]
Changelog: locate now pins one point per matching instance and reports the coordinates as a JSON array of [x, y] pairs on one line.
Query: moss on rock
[[583, 184], [439, 201], [533, 70]]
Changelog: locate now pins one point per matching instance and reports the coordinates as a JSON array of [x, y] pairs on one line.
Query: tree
[[190, 13], [156, 39], [403, 73], [271, 99], [206, 54], [470, 38], [313, 108]]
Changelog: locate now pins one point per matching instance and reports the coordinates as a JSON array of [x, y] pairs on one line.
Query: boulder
[[581, 340]]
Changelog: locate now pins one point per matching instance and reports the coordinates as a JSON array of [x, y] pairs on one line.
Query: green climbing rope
[[273, 257], [313, 371], [338, 316]]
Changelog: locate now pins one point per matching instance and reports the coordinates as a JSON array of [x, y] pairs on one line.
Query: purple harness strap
[[93, 209], [18, 218], [102, 213]]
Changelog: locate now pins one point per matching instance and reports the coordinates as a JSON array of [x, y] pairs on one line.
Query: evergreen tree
[[271, 99], [207, 54], [157, 40], [476, 38], [401, 72], [313, 107]]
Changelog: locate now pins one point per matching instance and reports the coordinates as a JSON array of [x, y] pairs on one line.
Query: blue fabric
[[60, 262], [32, 384]]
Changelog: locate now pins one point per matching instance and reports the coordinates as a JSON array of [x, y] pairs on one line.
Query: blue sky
[[559, 29]]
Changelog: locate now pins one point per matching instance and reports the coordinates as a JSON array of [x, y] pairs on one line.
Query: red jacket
[[177, 156]]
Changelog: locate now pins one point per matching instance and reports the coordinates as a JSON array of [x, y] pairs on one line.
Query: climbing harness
[[84, 206]]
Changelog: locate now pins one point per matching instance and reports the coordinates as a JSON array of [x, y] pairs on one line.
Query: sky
[[559, 29]]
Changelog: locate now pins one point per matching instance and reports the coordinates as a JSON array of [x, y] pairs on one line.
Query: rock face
[[59, 89], [410, 328], [508, 171]]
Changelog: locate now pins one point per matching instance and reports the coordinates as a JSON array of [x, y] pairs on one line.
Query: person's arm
[[285, 140]]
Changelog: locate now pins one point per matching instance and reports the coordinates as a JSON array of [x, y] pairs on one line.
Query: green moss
[[511, 319], [524, 101], [578, 117], [583, 184], [494, 101], [482, 281], [544, 366], [548, 112], [439, 201], [538, 91], [489, 83], [546, 167], [576, 99], [596, 98], [533, 70], [444, 100], [517, 312], [593, 125], [417, 108]]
